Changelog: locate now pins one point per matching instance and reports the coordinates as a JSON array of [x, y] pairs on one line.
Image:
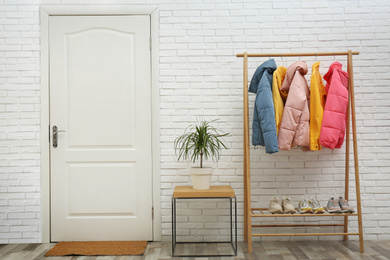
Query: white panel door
[[100, 96]]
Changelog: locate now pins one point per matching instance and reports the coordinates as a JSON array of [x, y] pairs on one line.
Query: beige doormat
[[95, 248]]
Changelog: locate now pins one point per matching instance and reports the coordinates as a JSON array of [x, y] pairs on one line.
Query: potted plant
[[200, 141]]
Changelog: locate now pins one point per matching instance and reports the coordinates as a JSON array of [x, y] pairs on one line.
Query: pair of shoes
[[275, 207], [310, 206], [339, 205]]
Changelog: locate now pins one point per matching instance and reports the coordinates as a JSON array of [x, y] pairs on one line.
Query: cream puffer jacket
[[294, 128]]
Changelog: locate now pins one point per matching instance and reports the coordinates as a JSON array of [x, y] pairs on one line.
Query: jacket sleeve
[[257, 136], [316, 110], [266, 114], [344, 93]]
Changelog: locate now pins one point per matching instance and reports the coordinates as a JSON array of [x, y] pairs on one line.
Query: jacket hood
[[316, 65], [269, 66], [299, 66], [328, 76], [279, 75]]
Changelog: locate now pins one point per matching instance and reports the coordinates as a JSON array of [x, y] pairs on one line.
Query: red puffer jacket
[[335, 113]]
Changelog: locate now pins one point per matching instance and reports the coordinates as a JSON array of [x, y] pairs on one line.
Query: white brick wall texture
[[201, 77]]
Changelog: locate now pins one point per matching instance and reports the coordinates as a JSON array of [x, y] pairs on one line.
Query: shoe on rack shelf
[[316, 205], [344, 205], [304, 206], [334, 206], [274, 206], [288, 207]]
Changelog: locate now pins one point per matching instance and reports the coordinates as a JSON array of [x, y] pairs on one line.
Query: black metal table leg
[[173, 226], [231, 221], [235, 223]]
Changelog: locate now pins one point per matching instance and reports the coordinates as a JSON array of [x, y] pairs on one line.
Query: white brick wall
[[200, 76]]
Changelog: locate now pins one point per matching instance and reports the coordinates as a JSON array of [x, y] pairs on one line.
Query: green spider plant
[[200, 140]]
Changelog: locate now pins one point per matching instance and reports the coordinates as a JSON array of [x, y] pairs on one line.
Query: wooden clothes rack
[[249, 212]]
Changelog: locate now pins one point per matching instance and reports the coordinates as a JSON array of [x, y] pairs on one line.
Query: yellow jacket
[[278, 97], [317, 105]]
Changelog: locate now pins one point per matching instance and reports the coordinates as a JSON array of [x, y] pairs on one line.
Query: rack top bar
[[297, 54]]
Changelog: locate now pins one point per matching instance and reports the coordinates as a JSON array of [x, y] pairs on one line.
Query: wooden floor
[[261, 250]]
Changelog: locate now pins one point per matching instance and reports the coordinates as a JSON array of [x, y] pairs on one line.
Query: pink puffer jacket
[[294, 128], [335, 113]]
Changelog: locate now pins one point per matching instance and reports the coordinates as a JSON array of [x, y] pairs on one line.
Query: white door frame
[[51, 10]]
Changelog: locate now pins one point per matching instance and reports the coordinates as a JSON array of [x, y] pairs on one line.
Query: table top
[[213, 192]]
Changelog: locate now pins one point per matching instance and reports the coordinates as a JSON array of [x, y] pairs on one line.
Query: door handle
[[55, 135]]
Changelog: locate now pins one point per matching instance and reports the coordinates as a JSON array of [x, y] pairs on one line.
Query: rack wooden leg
[[347, 147], [249, 213], [247, 184], [245, 200], [245, 211], [246, 143], [249, 233], [355, 153]]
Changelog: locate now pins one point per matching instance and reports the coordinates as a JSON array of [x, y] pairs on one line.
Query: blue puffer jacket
[[264, 126]]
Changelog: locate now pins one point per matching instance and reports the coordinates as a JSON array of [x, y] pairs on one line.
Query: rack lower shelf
[[304, 234], [262, 214]]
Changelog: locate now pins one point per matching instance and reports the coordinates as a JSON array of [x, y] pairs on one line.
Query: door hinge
[[150, 43], [152, 212], [49, 134]]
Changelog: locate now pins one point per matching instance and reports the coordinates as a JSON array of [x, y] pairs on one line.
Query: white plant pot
[[201, 177]]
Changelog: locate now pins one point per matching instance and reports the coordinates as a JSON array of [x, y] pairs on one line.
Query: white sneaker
[[287, 205], [304, 206], [333, 206], [275, 206], [344, 205], [316, 205]]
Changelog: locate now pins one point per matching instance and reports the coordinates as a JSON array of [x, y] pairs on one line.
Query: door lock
[[55, 135]]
